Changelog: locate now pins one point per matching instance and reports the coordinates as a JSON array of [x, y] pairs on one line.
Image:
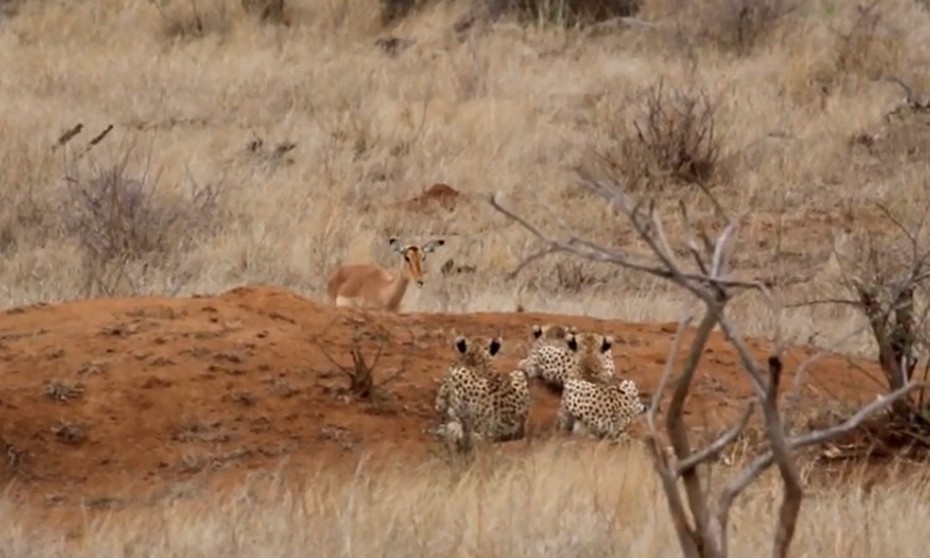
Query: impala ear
[[495, 346], [607, 343], [397, 245], [461, 344], [432, 245]]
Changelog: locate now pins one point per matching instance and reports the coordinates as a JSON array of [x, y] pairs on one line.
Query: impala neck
[[398, 286]]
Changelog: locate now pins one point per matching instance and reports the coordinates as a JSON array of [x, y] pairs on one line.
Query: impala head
[[414, 256]]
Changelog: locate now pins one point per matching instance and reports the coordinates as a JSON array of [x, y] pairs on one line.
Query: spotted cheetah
[[604, 410], [586, 355], [494, 406]]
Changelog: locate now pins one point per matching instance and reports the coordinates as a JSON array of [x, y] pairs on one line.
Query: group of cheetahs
[[475, 399]]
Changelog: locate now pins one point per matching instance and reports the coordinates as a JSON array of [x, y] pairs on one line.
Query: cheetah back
[[605, 409]]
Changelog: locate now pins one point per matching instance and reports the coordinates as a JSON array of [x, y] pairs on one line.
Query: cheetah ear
[[537, 331], [495, 346], [607, 344], [572, 342], [461, 344]]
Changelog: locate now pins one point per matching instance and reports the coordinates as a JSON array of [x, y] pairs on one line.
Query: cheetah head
[[477, 351], [552, 331], [589, 342]]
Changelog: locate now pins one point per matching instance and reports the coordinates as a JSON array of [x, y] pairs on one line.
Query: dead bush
[[360, 375], [674, 140], [887, 276], [120, 218]]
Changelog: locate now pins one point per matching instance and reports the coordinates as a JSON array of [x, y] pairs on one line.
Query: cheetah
[[472, 393], [604, 410], [586, 355]]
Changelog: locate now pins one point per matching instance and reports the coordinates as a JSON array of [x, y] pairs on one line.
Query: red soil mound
[[109, 402]]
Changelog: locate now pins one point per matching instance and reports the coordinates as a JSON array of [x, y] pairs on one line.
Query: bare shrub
[[700, 505], [120, 218], [675, 140], [360, 375], [888, 277]]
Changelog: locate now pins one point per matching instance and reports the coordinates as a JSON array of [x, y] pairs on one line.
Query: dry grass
[[550, 499], [310, 132]]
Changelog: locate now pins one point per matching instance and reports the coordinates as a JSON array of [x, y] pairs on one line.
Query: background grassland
[[801, 114]]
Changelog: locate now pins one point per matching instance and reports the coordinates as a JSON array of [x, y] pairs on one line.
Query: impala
[[372, 286]]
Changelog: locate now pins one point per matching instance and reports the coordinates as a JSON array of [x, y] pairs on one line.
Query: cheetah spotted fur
[[604, 410], [585, 355], [494, 406]]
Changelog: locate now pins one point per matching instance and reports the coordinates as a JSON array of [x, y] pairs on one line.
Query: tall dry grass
[[551, 499], [499, 107]]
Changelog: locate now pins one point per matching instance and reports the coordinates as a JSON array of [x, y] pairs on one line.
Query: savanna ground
[[169, 389]]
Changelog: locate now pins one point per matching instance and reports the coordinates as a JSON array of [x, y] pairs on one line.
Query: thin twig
[[712, 450]]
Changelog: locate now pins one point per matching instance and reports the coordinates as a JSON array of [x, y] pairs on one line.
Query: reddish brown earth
[[170, 390]]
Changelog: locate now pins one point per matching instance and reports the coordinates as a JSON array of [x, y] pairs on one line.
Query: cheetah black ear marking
[[537, 331], [461, 344], [495, 346], [572, 342], [607, 344]]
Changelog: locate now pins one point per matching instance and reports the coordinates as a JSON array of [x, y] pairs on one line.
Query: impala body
[[373, 287]]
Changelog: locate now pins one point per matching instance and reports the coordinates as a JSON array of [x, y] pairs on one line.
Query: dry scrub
[[549, 500]]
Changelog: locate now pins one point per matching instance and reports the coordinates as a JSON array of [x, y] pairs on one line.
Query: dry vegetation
[[575, 501], [244, 151], [220, 144]]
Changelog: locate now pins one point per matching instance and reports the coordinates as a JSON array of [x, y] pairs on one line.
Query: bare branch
[[793, 493], [685, 532], [761, 463], [721, 251], [712, 451], [530, 259], [674, 419], [802, 368]]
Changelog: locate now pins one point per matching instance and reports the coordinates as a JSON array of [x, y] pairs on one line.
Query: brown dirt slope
[[101, 395]]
